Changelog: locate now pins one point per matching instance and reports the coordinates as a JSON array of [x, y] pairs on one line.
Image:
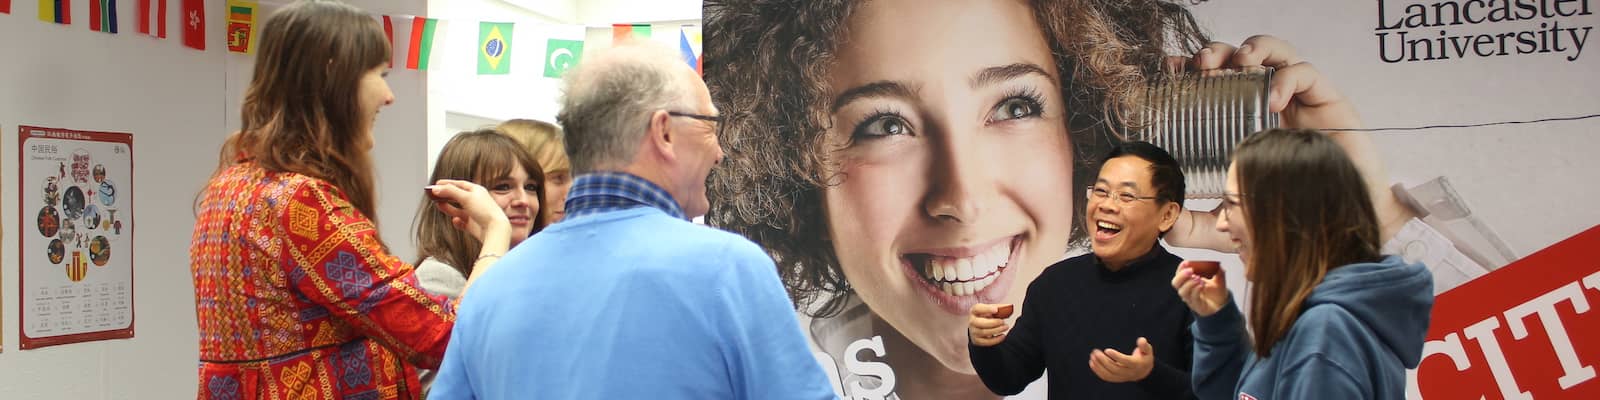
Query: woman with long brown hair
[[295, 294], [1330, 317], [498, 163]]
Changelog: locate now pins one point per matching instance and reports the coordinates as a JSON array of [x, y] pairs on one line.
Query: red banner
[[1521, 332]]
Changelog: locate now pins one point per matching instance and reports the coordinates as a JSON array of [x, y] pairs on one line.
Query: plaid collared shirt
[[600, 192]]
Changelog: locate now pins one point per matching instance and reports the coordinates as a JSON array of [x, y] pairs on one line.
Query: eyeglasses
[[1231, 202], [1123, 198], [708, 118]]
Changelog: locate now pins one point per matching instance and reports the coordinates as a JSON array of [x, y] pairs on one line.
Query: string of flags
[[241, 17]]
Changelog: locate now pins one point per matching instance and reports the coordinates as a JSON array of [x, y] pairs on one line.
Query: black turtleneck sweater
[[1077, 306]]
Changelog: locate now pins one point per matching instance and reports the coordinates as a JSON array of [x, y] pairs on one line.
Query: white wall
[[607, 12], [179, 104], [469, 101], [525, 93]]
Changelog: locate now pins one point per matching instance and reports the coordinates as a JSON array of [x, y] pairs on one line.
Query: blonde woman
[[545, 142]]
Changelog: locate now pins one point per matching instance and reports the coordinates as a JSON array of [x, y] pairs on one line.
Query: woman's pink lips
[[963, 251]]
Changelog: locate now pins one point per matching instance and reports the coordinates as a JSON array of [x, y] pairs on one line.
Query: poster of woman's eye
[[912, 166], [77, 272]]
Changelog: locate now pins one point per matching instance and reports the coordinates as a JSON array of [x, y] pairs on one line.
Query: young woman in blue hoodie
[[1331, 317]]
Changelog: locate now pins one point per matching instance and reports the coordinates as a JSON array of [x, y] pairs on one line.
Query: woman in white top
[[498, 163]]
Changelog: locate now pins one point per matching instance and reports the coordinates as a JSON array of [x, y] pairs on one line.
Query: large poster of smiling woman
[[874, 144]]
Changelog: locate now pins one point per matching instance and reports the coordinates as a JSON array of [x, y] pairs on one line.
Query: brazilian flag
[[494, 48]]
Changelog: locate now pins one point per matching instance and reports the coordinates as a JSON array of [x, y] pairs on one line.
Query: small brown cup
[[1004, 311], [1205, 269]]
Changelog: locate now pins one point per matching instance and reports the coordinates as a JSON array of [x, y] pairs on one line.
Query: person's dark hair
[[1165, 174], [301, 111], [483, 157], [766, 64], [1308, 212]]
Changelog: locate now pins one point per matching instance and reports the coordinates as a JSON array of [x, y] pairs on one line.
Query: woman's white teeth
[[966, 276], [962, 269], [966, 288]]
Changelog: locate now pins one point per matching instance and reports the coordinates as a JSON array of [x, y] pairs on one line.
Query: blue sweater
[[1360, 329], [630, 304]]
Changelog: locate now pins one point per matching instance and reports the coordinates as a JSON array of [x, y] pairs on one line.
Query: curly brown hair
[[766, 63]]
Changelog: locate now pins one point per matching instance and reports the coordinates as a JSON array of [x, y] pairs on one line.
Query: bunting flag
[[422, 32], [689, 44], [5, 6], [494, 48], [103, 16], [623, 32], [241, 25], [57, 11], [194, 24], [388, 33], [153, 18], [560, 56]]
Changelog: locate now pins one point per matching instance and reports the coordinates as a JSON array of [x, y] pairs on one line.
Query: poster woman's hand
[[1304, 98]]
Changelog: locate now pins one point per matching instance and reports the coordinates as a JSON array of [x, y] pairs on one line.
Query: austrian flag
[[153, 18]]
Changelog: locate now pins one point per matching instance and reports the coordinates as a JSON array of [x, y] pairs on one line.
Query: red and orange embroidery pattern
[[297, 299]]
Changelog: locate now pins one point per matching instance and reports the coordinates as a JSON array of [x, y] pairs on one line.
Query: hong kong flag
[[194, 24]]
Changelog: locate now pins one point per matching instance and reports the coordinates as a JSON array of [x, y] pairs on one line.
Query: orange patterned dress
[[297, 299]]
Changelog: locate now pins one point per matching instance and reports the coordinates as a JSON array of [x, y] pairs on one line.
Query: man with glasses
[[625, 298], [1106, 325]]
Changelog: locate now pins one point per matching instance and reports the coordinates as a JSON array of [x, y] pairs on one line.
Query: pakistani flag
[[560, 56], [494, 48]]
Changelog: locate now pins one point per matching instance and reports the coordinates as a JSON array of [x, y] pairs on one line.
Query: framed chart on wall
[[75, 247]]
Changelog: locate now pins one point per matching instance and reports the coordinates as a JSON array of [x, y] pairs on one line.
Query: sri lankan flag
[[494, 48], [241, 25], [103, 16], [57, 11]]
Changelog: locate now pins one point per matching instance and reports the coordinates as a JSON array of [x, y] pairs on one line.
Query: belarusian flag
[[103, 16], [494, 48], [57, 11], [153, 18], [422, 31], [623, 32]]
